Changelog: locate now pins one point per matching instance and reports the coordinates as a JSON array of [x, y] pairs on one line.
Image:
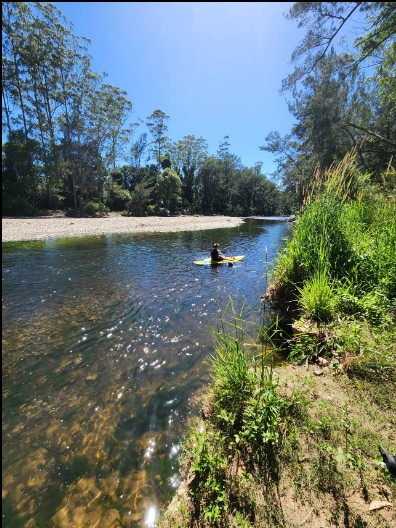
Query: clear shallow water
[[104, 348]]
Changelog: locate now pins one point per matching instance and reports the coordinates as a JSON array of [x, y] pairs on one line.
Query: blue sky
[[215, 68]]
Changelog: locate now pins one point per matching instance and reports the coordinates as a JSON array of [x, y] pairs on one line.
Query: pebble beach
[[59, 226]]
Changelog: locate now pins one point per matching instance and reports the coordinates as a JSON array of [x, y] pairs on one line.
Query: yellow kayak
[[209, 261]]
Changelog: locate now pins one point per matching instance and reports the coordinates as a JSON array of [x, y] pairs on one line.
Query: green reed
[[344, 239]]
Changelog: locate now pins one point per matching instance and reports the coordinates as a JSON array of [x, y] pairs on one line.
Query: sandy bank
[[41, 228]]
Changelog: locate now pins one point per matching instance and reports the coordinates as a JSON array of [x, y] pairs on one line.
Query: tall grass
[[233, 380], [343, 244]]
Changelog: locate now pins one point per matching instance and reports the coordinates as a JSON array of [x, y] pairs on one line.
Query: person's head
[[216, 246]]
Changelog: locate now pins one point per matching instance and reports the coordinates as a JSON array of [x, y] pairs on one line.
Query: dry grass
[[328, 472]]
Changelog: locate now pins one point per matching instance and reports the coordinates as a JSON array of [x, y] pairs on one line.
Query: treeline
[[343, 92], [67, 130]]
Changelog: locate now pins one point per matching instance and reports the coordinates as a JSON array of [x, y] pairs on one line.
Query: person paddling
[[216, 255]]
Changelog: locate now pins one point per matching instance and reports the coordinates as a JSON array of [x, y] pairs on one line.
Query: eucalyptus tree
[[209, 186], [188, 155], [231, 165], [373, 50], [18, 152], [113, 111], [50, 93], [41, 56], [138, 149], [92, 143], [328, 24], [95, 134], [340, 98], [16, 17], [44, 65], [157, 125]]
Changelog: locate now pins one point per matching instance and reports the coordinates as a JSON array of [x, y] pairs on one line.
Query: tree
[[188, 155], [168, 190], [140, 197], [138, 149], [20, 168], [113, 110], [327, 24], [337, 107], [156, 123], [209, 186]]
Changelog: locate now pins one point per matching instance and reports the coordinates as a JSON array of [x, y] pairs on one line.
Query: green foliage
[[338, 103], [317, 241], [117, 197], [304, 347], [340, 267], [168, 190], [233, 379], [94, 209], [341, 254], [17, 206], [137, 205], [165, 162], [209, 465], [247, 404], [317, 298], [157, 124], [247, 416], [20, 170], [263, 416]]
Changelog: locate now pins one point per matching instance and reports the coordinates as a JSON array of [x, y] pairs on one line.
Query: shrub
[[95, 209], [17, 206]]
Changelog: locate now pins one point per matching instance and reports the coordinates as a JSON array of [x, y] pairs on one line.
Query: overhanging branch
[[371, 133]]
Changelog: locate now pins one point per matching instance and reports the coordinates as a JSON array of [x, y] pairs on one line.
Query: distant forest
[[65, 129]]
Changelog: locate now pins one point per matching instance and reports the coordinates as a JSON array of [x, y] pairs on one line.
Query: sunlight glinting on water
[[103, 357]]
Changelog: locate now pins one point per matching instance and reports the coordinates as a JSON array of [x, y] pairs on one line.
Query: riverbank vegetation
[[298, 444]]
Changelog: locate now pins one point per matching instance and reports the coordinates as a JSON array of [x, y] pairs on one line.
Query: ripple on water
[[100, 371]]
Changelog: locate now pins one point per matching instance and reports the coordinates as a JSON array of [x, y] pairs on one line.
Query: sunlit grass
[[337, 274]]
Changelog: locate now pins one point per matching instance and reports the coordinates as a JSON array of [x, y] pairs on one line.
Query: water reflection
[[104, 348]]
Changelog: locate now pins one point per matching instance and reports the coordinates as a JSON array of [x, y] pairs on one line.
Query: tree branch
[[332, 37], [371, 133]]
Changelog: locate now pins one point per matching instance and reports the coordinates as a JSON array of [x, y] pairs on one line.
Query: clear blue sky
[[215, 68]]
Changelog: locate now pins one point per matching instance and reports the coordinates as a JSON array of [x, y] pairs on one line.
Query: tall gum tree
[[157, 125], [359, 111]]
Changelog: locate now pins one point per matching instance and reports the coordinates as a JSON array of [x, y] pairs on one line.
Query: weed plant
[[246, 417]]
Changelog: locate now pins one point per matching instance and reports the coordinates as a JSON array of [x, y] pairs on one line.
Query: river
[[105, 341]]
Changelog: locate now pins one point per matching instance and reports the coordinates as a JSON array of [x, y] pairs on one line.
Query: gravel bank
[[41, 228]]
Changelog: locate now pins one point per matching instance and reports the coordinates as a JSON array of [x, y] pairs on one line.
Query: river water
[[105, 341]]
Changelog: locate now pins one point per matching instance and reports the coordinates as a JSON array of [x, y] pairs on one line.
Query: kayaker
[[216, 255]]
